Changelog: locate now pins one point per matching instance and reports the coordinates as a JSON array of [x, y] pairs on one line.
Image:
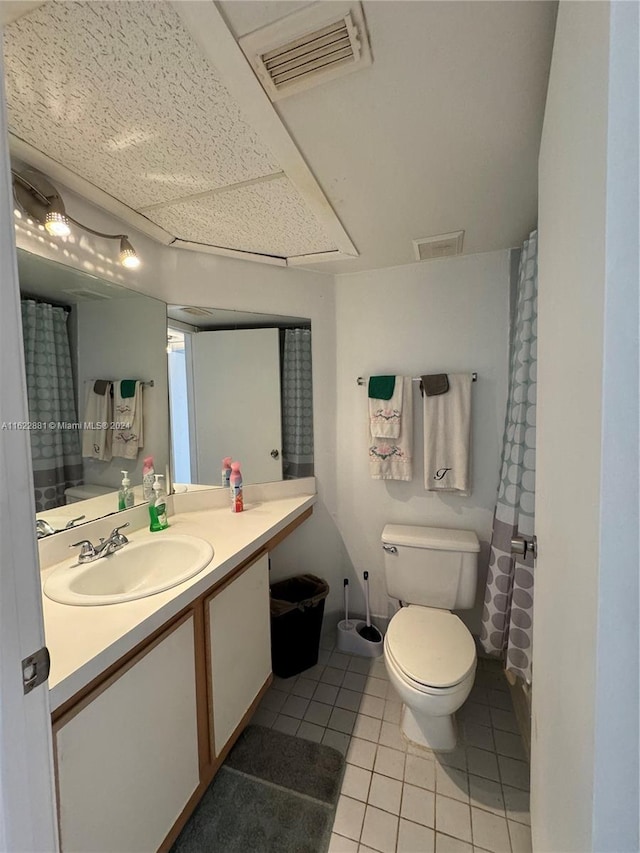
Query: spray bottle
[[226, 471], [147, 478], [235, 481]]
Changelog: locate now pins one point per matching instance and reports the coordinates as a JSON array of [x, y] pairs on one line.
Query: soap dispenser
[[125, 493], [158, 506]]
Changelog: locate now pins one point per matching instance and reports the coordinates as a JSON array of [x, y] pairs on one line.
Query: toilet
[[429, 652]]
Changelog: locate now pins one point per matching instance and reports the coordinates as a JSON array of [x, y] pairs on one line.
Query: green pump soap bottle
[[158, 506]]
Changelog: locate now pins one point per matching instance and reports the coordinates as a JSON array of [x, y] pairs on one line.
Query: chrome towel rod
[[363, 381]]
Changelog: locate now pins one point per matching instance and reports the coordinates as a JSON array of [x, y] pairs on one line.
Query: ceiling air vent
[[309, 47], [83, 294], [440, 246], [196, 312]]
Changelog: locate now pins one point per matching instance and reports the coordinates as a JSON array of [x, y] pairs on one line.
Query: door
[[235, 403]]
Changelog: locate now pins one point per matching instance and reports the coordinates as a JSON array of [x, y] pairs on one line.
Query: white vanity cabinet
[[239, 648], [127, 754]]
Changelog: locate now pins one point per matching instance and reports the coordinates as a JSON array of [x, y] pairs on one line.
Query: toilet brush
[[369, 631], [347, 624]]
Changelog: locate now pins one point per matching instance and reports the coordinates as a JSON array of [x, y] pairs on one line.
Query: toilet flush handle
[[390, 549]]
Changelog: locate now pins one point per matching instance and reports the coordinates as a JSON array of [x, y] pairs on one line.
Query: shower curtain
[[297, 405], [508, 609], [55, 448]]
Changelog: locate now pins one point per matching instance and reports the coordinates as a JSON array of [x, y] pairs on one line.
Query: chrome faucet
[[90, 552], [43, 528]]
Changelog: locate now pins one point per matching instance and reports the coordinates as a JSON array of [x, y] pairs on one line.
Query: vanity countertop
[[84, 641]]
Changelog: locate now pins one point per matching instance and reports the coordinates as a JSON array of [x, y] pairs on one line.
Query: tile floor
[[399, 799]]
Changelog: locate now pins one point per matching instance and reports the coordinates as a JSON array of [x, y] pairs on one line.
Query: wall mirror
[[78, 329], [240, 386]]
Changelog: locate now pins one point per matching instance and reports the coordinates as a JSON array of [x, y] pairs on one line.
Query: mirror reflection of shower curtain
[[55, 449], [297, 404], [507, 617]]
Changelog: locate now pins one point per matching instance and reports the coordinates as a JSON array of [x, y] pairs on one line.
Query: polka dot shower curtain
[[297, 405], [55, 450], [507, 618]]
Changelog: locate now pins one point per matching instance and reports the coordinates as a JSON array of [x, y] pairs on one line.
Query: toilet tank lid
[[436, 538]]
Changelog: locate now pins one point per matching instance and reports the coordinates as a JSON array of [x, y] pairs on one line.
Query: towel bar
[[362, 381]]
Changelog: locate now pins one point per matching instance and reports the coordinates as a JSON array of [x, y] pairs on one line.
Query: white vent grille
[[196, 312], [439, 246], [304, 49], [83, 294]]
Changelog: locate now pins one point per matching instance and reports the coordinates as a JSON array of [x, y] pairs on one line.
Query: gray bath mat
[[275, 793]]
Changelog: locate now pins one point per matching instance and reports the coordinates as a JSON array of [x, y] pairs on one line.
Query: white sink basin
[[141, 568]]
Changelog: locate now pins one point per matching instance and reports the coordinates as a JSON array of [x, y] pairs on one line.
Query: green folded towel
[[381, 387], [128, 388]]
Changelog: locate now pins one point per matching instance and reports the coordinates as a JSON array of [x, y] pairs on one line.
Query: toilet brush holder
[[353, 643]]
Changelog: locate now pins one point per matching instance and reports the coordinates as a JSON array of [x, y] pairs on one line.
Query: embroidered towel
[[385, 416], [128, 410], [392, 459], [447, 438], [98, 410]]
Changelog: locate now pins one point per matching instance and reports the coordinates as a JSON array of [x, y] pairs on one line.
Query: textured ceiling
[[119, 93]]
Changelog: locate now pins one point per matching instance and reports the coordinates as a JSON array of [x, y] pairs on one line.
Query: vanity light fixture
[[40, 200]]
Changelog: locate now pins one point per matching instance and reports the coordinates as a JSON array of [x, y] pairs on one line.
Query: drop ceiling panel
[[266, 218], [120, 93]]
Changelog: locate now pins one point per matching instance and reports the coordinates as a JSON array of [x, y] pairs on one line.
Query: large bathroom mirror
[[82, 332], [240, 386]]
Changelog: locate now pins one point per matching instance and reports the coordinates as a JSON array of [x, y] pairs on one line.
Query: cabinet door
[[239, 647], [127, 761]]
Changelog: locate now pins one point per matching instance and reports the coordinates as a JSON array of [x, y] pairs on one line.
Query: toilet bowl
[[430, 657]]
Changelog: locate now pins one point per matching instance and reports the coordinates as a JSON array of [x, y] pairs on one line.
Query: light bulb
[[57, 224], [128, 256]]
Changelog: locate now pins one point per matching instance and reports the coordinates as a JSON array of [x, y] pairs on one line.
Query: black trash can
[[297, 607]]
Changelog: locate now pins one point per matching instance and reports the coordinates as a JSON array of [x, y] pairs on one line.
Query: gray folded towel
[[434, 384], [100, 386]]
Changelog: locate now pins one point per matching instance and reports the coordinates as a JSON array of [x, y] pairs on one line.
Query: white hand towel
[[447, 438], [96, 443], [128, 411], [385, 416], [393, 459]]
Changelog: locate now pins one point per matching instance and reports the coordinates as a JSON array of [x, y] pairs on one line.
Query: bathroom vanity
[[148, 696]]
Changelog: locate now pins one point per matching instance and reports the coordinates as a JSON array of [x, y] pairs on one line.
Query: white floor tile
[[309, 731], [314, 672], [288, 725], [325, 693], [303, 687], [273, 700], [349, 818], [453, 818], [380, 830], [355, 782], [500, 699], [264, 717], [480, 736], [348, 699], [389, 762], [455, 758], [323, 656], [339, 844], [483, 763], [392, 711], [362, 753], [331, 675], [341, 720], [473, 712], [376, 687], [372, 706], [363, 849], [385, 793], [520, 837], [360, 665], [339, 661], [418, 805], [486, 794], [284, 684], [490, 832], [367, 728], [318, 713], [295, 706], [337, 740], [510, 745], [420, 772], [504, 720], [392, 693], [414, 838], [452, 783], [516, 803], [354, 681], [514, 773], [447, 844], [390, 736], [378, 669]]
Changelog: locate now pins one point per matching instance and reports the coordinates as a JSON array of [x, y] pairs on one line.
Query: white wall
[[126, 339], [585, 644], [450, 315]]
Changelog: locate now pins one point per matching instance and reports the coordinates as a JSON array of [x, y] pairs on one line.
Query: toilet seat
[[433, 649]]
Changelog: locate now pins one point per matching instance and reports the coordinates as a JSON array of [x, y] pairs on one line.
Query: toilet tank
[[431, 566]]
